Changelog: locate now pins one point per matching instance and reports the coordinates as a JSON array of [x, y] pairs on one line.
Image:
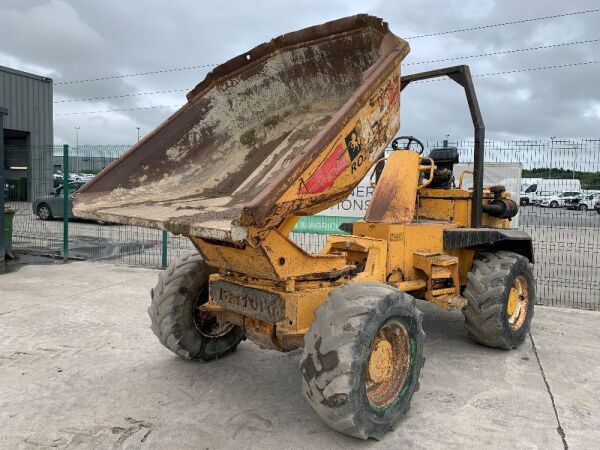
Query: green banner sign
[[322, 224]]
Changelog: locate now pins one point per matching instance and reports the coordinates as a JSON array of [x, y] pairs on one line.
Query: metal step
[[450, 302], [440, 273], [443, 291], [439, 267]]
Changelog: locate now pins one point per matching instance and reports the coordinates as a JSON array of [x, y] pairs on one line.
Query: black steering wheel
[[409, 140]]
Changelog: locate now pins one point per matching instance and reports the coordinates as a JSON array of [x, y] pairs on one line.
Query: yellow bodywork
[[400, 242], [286, 130]]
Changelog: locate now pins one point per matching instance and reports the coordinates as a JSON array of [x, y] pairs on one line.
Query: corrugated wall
[[29, 99]]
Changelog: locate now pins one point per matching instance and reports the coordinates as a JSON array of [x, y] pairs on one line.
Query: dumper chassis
[[352, 306]]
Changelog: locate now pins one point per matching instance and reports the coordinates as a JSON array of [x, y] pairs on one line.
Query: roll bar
[[462, 75]]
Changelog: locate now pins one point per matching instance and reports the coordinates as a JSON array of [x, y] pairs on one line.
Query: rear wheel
[[44, 212], [362, 358], [178, 318], [501, 294]]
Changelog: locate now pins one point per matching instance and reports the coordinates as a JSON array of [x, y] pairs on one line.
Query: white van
[[538, 191], [526, 182]]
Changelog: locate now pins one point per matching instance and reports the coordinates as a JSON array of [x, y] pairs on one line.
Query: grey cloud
[[70, 40]]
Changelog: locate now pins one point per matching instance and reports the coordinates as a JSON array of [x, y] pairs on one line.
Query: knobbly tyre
[[288, 129]]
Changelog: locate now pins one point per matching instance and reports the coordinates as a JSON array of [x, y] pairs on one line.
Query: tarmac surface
[[80, 368]]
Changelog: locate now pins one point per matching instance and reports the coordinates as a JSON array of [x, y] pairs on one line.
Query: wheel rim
[[518, 303], [43, 212], [206, 322], [389, 363]]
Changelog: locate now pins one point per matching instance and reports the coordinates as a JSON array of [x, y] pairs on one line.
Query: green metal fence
[[36, 183], [566, 242]]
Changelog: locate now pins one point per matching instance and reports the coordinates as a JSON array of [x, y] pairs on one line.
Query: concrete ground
[[80, 368]]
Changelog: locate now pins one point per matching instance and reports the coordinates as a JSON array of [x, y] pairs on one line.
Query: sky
[[86, 39]]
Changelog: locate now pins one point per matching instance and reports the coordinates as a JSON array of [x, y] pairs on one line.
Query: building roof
[[25, 74]]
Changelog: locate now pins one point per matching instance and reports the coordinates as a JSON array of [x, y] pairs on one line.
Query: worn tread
[[183, 278], [486, 294], [331, 351]]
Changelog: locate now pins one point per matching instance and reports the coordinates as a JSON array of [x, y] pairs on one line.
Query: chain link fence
[[566, 241]]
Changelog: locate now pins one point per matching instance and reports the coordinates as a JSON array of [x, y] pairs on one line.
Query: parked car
[[597, 206], [583, 203], [86, 176], [75, 177], [541, 189], [80, 177], [51, 206], [556, 201]]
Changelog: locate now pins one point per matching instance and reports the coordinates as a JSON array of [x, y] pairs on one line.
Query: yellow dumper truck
[[286, 130]]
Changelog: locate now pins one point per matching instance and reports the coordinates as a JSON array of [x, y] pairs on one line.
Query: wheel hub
[[380, 361], [389, 364], [206, 322], [518, 303], [209, 326], [513, 301]]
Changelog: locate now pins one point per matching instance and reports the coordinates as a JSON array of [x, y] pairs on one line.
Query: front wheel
[[362, 358], [583, 207], [501, 294], [44, 212], [554, 204], [178, 318]]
